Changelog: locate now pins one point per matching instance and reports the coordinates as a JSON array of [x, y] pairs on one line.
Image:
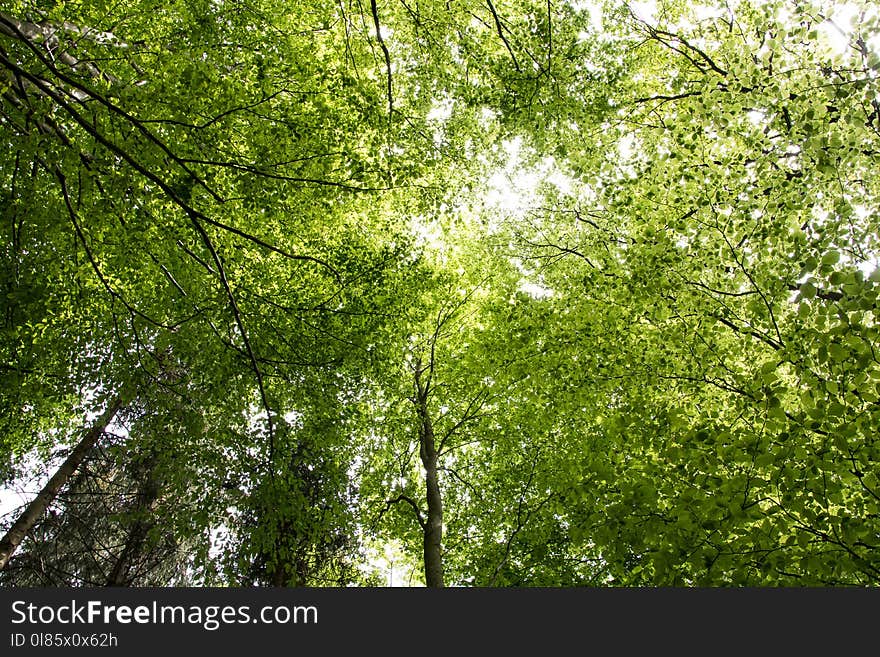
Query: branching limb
[[500, 29], [385, 53], [415, 507]]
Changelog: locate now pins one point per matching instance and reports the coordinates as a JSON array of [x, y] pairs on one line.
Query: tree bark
[[44, 498]]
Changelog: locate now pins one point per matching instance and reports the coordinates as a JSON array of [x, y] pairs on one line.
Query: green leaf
[[808, 291], [831, 258]]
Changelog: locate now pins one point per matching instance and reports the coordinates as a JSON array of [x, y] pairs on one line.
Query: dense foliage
[[513, 293]]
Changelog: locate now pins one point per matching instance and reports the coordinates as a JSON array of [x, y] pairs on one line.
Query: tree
[[103, 528], [277, 233], [141, 178], [724, 234], [46, 496]]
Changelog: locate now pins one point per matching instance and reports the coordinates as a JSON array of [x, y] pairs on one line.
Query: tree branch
[[415, 507], [501, 34], [385, 52]]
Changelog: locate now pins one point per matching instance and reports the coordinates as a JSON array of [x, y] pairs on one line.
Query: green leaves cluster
[[265, 220]]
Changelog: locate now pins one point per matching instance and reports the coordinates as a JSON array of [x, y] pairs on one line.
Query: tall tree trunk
[[37, 508], [433, 527]]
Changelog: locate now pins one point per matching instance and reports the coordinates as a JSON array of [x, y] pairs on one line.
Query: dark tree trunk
[[433, 526]]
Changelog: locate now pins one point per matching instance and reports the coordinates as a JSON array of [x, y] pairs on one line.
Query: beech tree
[[542, 293]]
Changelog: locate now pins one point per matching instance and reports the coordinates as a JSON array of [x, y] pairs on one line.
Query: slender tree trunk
[[37, 508], [434, 521], [433, 527], [279, 576]]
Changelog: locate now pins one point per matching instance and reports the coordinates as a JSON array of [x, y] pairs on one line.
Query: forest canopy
[[474, 293]]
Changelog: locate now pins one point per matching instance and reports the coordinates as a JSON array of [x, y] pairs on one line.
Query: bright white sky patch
[[535, 290], [757, 117], [869, 266], [430, 233], [512, 193], [594, 9], [12, 499], [514, 189], [702, 12], [835, 33], [440, 110], [511, 187], [626, 146], [645, 10], [389, 561], [488, 117]]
